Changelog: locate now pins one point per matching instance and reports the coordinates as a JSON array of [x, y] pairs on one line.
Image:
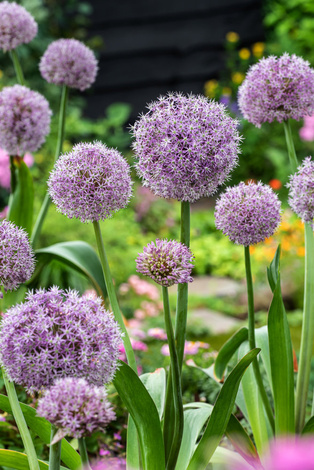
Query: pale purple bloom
[[190, 348], [17, 26], [5, 174], [69, 62], [91, 182], [56, 334], [166, 262], [186, 146], [16, 256], [157, 333], [277, 88], [248, 213], [301, 191], [24, 120], [75, 407]]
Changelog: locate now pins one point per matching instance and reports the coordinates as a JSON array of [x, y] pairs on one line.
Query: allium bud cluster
[[301, 191], [186, 146], [17, 26], [69, 62], [166, 262], [24, 120], [248, 213], [56, 334], [277, 89], [75, 407]]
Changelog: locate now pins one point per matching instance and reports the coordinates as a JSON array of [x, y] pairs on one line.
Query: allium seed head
[[16, 256], [301, 191], [91, 182], [166, 262], [24, 120], [69, 62], [75, 407], [277, 89], [186, 146], [56, 334], [17, 26], [248, 214]]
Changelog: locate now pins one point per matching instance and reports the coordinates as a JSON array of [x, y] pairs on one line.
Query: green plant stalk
[[307, 335], [17, 67], [176, 381], [54, 451], [13, 181], [290, 145], [251, 337], [83, 453], [21, 423], [61, 127]]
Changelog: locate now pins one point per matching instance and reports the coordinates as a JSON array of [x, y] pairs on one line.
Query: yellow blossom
[[226, 91], [244, 53], [237, 77], [258, 49], [232, 36], [210, 88]]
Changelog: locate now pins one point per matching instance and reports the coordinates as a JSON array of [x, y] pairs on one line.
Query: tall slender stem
[[307, 336], [83, 453], [21, 423], [290, 145], [176, 380], [17, 67], [54, 451], [251, 335], [61, 128]]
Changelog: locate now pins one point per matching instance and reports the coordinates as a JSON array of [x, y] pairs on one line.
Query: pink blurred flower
[[142, 287], [5, 175], [190, 349], [113, 463], [4, 212], [157, 333], [307, 131]]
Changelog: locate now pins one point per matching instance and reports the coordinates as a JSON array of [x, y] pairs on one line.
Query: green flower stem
[[252, 344], [21, 423], [13, 174], [307, 336], [54, 451], [290, 145], [83, 453], [176, 380], [61, 127], [17, 67]]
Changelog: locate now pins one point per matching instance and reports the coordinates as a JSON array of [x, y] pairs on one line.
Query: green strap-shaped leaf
[[221, 413], [262, 342], [155, 383], [42, 428], [21, 201], [145, 415], [80, 256], [241, 441], [228, 350], [18, 460], [273, 270], [309, 427]]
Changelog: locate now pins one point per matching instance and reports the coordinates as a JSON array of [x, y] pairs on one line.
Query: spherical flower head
[[186, 146], [24, 120], [16, 256], [75, 407], [17, 26], [248, 213], [301, 191], [91, 182], [69, 62], [277, 89], [166, 262], [56, 334]]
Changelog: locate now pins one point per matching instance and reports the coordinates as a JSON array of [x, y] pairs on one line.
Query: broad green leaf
[[261, 339], [241, 440], [254, 405], [281, 360], [155, 383], [21, 201], [42, 428], [80, 256], [228, 350], [309, 427], [221, 413], [273, 270], [145, 415], [223, 455], [18, 461]]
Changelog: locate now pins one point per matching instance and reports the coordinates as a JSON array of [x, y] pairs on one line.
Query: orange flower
[[275, 184]]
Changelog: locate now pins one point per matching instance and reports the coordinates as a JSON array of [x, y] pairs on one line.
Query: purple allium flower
[[17, 26], [91, 182], [69, 62], [248, 213], [16, 256], [186, 146], [56, 334], [75, 407], [301, 191], [277, 88], [166, 262], [24, 120]]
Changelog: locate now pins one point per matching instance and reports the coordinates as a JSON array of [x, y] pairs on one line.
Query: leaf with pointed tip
[[228, 350], [273, 270], [309, 427]]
